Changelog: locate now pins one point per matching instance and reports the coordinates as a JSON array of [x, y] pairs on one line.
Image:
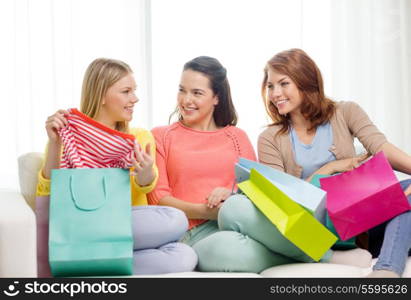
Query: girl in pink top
[[196, 155]]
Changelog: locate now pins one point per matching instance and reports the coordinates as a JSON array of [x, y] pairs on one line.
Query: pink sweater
[[192, 163]]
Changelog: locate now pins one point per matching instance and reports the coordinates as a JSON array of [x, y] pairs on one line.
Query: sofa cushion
[[202, 275], [315, 270], [322, 270], [17, 236], [29, 166], [298, 270]]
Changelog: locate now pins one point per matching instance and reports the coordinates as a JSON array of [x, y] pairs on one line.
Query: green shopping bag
[[90, 222], [340, 244], [291, 219]]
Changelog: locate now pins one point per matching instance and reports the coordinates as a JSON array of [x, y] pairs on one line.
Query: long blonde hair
[[100, 75]]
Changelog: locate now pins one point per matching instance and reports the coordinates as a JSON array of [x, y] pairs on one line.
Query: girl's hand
[[217, 196], [343, 165], [211, 213], [54, 123], [143, 166]]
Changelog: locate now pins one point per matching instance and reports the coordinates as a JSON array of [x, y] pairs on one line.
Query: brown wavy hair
[[303, 71]]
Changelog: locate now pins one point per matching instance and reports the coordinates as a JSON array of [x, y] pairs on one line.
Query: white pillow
[[322, 270], [315, 270], [29, 166], [195, 274]]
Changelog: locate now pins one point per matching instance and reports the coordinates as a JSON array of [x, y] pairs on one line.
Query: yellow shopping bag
[[291, 219]]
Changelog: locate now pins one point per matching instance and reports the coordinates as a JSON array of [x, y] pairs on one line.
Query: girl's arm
[[53, 124], [399, 160], [339, 166], [269, 153], [52, 160], [192, 210]]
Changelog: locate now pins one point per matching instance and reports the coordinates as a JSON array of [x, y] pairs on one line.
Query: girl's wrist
[[327, 169], [145, 182], [54, 143]]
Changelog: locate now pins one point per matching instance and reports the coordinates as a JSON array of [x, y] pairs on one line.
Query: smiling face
[[283, 93], [196, 100], [118, 102]]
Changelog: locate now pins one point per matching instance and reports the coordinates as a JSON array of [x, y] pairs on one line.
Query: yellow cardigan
[[138, 193]]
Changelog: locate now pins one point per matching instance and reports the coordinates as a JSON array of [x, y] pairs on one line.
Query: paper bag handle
[[84, 205]]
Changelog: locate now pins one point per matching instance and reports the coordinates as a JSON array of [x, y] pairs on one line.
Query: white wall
[[243, 36], [46, 46]]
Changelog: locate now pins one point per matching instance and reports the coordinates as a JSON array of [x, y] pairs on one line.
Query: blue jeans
[[156, 230], [397, 241]]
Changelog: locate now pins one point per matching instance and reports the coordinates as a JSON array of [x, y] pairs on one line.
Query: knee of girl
[[183, 259], [189, 260], [229, 251], [211, 252], [178, 222], [233, 211]]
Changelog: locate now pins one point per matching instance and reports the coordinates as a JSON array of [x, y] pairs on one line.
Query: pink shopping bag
[[367, 196]]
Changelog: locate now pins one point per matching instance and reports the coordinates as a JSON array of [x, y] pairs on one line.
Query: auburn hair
[[302, 70]]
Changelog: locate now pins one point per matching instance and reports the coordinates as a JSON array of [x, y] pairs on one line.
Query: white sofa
[[18, 238]]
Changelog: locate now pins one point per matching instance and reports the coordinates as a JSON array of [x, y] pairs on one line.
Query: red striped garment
[[89, 144]]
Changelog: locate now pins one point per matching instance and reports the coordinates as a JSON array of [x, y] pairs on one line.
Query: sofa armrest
[[17, 236]]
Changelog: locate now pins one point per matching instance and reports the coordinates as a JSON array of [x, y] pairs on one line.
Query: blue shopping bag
[[292, 220], [310, 197], [90, 222]]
